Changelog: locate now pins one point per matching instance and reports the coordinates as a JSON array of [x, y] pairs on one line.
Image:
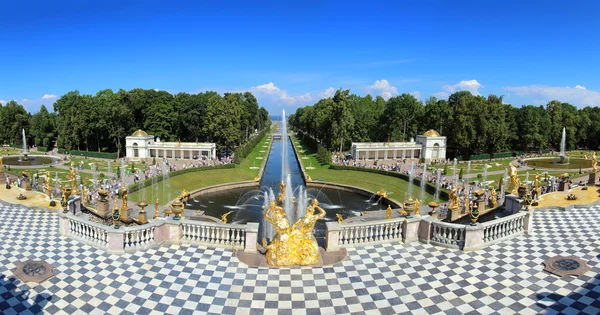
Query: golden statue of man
[[417, 206], [594, 162], [537, 183], [493, 197], [388, 212], [453, 199], [307, 249], [514, 180]]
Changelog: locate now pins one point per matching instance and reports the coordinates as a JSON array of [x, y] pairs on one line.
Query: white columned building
[[140, 145], [430, 146]]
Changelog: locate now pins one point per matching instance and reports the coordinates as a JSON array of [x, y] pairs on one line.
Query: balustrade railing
[[352, 234], [138, 237], [503, 228], [215, 234], [88, 232], [447, 234]]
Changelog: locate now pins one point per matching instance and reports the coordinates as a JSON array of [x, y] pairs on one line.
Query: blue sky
[[292, 54]]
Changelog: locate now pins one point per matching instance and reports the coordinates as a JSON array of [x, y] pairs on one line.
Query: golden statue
[[417, 206], [537, 183], [224, 216], [514, 180], [279, 252], [453, 199], [339, 217], [494, 197], [84, 198], [594, 162], [1, 166], [48, 190], [281, 193], [184, 194], [382, 193], [123, 211], [388, 212], [307, 250]]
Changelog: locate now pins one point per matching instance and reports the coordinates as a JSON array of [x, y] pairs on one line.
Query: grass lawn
[[62, 174], [197, 180], [396, 188], [103, 164]]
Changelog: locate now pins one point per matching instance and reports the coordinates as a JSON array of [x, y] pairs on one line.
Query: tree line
[[101, 122], [473, 124]]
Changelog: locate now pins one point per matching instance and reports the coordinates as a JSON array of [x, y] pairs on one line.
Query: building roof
[[139, 133], [431, 133]]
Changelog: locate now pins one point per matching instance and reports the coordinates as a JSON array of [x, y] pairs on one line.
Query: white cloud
[[466, 85], [441, 95], [383, 88], [539, 102], [327, 93], [24, 100], [3, 102], [48, 96], [276, 94], [416, 94], [268, 88], [577, 95]]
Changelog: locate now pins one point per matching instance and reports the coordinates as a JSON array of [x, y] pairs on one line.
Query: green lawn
[[396, 188], [103, 164], [197, 180], [62, 174]]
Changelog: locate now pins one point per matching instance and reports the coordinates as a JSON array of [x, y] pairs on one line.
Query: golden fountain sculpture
[[493, 197], [224, 216], [382, 193], [453, 199], [339, 217], [295, 245], [594, 162], [514, 180], [388, 212]]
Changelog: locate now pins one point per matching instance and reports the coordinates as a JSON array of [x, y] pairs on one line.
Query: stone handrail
[[500, 229], [214, 234], [138, 237], [87, 232], [447, 234], [347, 235]]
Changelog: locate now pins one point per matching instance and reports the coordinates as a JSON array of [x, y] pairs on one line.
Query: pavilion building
[[430, 146], [141, 145]]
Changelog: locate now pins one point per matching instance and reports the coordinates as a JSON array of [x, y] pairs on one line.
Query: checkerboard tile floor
[[384, 279]]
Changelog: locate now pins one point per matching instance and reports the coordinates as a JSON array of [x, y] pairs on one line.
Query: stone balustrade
[[87, 232], [158, 232], [503, 228], [447, 234], [214, 234]]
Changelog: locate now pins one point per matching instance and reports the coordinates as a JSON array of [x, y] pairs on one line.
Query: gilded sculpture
[[417, 206], [537, 183], [493, 197], [594, 162], [514, 180], [296, 244], [224, 216], [453, 199], [388, 212], [339, 217]]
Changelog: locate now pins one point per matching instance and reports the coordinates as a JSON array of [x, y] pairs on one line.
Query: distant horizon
[[293, 54]]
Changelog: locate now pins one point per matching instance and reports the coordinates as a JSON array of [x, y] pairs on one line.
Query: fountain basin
[[554, 163], [31, 160]]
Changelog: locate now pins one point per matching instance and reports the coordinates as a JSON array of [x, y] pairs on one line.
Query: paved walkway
[[394, 278]]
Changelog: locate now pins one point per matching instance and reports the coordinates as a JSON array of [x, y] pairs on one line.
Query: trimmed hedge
[[323, 155], [488, 156], [243, 150], [430, 188], [148, 182], [101, 155]]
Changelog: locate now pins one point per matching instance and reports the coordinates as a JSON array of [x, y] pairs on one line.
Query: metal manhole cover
[[34, 268], [34, 271], [566, 266]]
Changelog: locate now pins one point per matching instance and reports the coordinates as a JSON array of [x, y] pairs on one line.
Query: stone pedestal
[[115, 241], [592, 179], [410, 229], [563, 185], [63, 224], [528, 222], [425, 229], [473, 237], [251, 237], [332, 238], [103, 208], [75, 205], [512, 204]]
